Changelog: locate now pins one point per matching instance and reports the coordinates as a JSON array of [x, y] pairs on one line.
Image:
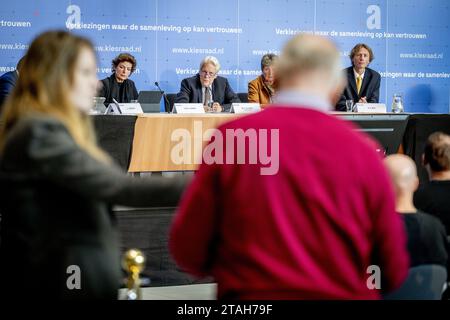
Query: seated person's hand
[[363, 100], [216, 107]]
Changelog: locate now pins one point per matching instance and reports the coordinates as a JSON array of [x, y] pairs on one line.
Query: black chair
[[424, 282], [243, 96]]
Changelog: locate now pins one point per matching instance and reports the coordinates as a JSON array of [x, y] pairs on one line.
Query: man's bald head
[[403, 172]]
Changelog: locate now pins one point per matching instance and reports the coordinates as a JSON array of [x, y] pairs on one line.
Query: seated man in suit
[[427, 239], [213, 91], [8, 82], [363, 84]]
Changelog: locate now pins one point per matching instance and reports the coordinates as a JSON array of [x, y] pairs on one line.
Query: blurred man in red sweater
[[312, 228]]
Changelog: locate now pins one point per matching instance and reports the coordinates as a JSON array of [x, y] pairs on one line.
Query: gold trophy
[[133, 262]]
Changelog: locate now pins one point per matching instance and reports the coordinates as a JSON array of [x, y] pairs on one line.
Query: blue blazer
[[191, 92], [370, 88], [7, 83]]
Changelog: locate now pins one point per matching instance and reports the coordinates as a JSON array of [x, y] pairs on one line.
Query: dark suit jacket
[[7, 83], [111, 89], [55, 212], [370, 88], [191, 92]]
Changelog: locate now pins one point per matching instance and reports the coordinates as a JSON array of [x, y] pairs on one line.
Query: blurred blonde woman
[[57, 186]]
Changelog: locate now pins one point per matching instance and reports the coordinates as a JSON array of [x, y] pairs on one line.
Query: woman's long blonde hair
[[45, 80]]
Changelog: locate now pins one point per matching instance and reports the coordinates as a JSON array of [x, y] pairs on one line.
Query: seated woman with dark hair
[[118, 86], [261, 89]]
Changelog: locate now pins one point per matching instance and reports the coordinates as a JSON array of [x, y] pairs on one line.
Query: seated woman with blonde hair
[[261, 89]]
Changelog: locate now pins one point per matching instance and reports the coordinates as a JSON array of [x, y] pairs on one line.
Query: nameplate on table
[[124, 108], [370, 107], [188, 108], [245, 107]]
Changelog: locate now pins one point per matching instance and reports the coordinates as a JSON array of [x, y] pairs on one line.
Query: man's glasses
[[206, 73]]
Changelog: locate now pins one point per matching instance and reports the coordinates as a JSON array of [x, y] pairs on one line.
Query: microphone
[[166, 101]]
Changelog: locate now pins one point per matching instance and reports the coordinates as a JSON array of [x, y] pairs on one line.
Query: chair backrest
[[424, 282], [243, 96], [171, 99]]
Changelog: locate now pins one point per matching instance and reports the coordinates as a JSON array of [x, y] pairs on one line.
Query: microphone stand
[[166, 101]]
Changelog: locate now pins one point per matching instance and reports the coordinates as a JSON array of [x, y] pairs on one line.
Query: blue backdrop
[[410, 38]]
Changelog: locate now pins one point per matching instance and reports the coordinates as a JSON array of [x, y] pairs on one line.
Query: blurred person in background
[[363, 83], [427, 239], [434, 196], [208, 88], [57, 186]]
